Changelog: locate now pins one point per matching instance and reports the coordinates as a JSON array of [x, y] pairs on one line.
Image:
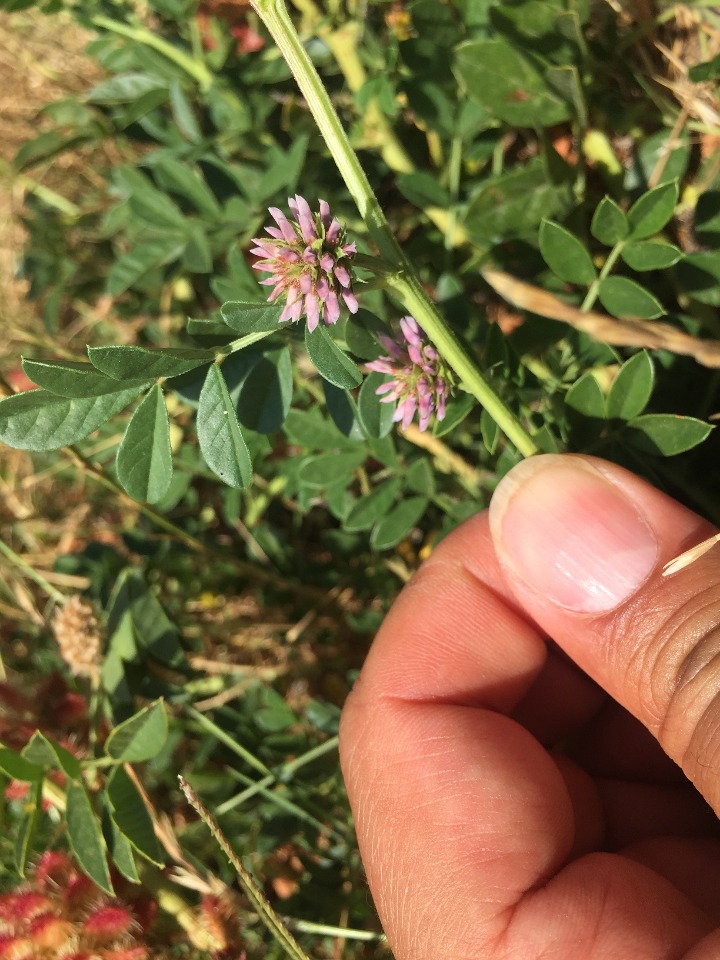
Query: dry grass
[[42, 60]]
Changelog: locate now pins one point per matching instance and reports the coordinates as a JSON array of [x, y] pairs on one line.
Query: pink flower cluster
[[309, 261], [420, 383]]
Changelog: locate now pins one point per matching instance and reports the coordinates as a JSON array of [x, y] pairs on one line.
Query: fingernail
[[572, 534]]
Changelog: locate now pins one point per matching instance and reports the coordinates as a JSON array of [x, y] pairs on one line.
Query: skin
[[534, 782]]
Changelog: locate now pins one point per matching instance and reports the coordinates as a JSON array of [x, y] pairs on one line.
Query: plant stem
[[326, 930], [194, 68], [404, 283], [594, 287], [25, 567], [266, 913], [214, 730]]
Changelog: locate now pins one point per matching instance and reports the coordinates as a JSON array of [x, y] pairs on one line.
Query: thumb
[[582, 544]]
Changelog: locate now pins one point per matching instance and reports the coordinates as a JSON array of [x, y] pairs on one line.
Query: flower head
[[309, 263], [420, 382]]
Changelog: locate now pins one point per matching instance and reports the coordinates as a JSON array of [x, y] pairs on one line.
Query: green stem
[[404, 283], [25, 567], [284, 773], [242, 342], [194, 68], [327, 930], [48, 196], [217, 732], [594, 287]]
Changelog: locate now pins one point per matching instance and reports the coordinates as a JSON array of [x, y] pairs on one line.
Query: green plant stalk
[[194, 68], [266, 913], [285, 773], [326, 930], [404, 283], [284, 804], [594, 287], [212, 728], [48, 196], [25, 568]]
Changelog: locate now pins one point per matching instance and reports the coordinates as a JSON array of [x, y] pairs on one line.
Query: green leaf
[[609, 224], [632, 387], [456, 411], [327, 469], [130, 267], [266, 392], [144, 458], [85, 836], [137, 621], [39, 420], [209, 332], [510, 87], [247, 318], [183, 115], [156, 210], [490, 431], [343, 411], [119, 849], [45, 752], [47, 145], [126, 362], [65, 378], [667, 152], [142, 737], [702, 72], [586, 397], [420, 477], [707, 219], [28, 828], [308, 428], [131, 816], [423, 190], [361, 334], [375, 416], [398, 523], [624, 298], [180, 179], [221, 441], [197, 255], [513, 204], [649, 214], [18, 767], [650, 255], [698, 274], [125, 88], [666, 434], [374, 505], [565, 255], [329, 360]]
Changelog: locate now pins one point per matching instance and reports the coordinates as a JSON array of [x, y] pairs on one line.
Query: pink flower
[[309, 263], [420, 382]]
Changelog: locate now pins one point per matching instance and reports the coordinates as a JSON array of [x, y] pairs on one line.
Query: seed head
[[309, 262], [78, 636]]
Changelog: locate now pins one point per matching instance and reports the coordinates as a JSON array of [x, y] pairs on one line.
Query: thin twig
[[621, 333]]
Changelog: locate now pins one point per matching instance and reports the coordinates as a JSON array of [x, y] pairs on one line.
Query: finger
[[459, 811], [583, 542]]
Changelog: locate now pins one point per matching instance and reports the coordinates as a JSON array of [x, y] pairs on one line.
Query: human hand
[[517, 799]]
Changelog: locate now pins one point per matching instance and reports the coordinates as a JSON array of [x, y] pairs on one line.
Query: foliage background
[[139, 188]]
